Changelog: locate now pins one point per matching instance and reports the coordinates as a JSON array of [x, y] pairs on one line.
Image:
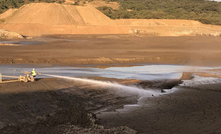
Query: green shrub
[[208, 12]]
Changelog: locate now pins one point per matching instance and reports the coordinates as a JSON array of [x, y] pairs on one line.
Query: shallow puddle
[[146, 72], [37, 41]]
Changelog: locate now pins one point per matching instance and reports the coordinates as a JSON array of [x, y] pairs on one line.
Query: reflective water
[[37, 41], [147, 72]]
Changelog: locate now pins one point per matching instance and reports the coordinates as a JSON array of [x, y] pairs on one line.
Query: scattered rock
[[9, 35]]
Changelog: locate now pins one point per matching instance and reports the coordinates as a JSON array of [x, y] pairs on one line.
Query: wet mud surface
[[52, 105], [60, 106], [187, 110], [57, 106]]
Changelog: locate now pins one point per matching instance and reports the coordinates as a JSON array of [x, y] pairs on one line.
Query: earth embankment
[[155, 22]]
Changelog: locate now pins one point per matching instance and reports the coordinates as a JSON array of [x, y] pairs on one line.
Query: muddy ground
[[187, 111], [61, 106], [52, 105], [109, 49]]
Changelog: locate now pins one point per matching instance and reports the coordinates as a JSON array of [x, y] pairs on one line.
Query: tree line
[[208, 12]]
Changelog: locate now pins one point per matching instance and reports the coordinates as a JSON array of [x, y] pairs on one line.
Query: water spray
[[109, 85]]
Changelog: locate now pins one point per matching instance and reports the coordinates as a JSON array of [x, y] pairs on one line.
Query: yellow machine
[[28, 77], [23, 78]]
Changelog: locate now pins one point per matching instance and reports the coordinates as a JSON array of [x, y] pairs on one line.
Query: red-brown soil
[[117, 49]]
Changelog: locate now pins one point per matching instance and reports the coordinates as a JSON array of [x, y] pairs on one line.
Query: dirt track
[[117, 49]]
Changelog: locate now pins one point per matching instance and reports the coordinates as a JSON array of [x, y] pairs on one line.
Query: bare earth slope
[[39, 19], [56, 14], [7, 13]]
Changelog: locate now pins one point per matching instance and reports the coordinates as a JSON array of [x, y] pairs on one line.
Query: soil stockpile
[[110, 49], [57, 14]]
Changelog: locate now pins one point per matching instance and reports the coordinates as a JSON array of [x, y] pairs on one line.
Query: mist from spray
[[200, 80], [113, 86]]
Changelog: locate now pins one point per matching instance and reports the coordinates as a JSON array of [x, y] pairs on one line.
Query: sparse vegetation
[[6, 4], [208, 12]]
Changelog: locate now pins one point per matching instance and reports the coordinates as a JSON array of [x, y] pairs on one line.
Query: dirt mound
[[57, 14]]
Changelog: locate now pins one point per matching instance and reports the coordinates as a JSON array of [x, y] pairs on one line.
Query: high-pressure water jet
[[109, 85]]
